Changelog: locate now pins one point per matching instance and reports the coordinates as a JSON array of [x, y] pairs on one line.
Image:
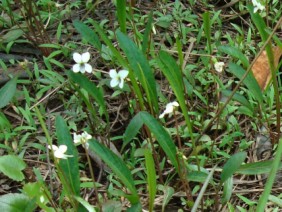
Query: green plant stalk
[[93, 178], [270, 179], [43, 125]]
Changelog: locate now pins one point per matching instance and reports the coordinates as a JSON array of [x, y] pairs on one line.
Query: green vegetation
[[131, 105]]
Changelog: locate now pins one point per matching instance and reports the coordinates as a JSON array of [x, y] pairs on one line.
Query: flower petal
[[114, 82], [162, 115], [63, 148], [121, 82], [77, 57], [123, 74], [88, 68], [76, 68], [113, 73], [85, 57], [54, 147]]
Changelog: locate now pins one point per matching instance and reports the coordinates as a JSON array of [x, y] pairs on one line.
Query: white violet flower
[[169, 108], [82, 63], [118, 78], [257, 6], [81, 138], [219, 66], [59, 152]]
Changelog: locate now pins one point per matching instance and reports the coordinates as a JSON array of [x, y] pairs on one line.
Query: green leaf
[[232, 165], [151, 178], [12, 35], [227, 190], [90, 87], [132, 129], [168, 193], [158, 131], [15, 203], [255, 168], [173, 74], [7, 92], [68, 166], [141, 69], [207, 29], [249, 81], [121, 14], [118, 167], [239, 98], [88, 34], [89, 207], [147, 32], [234, 52], [12, 167]]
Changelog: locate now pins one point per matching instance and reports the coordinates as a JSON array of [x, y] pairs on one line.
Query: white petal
[[54, 147], [63, 148], [76, 138], [76, 68], [114, 82], [82, 68], [123, 74], [85, 57], [175, 104], [121, 83], [88, 68], [77, 57], [162, 115], [113, 73]]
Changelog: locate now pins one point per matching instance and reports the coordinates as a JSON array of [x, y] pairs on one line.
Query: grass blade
[[88, 34], [141, 68], [151, 178], [121, 14], [70, 165], [159, 132], [117, 166]]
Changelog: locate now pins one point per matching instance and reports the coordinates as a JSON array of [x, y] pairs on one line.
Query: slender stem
[[93, 178]]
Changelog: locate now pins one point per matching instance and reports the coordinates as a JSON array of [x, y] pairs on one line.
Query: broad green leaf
[[121, 14], [132, 129], [37, 191], [68, 166], [239, 98], [88, 34], [151, 177], [197, 176], [232, 165], [90, 87], [118, 167], [255, 168], [174, 75], [234, 52], [7, 92], [141, 69], [12, 167], [158, 131], [275, 200], [227, 190], [249, 81], [15, 202], [4, 122], [12, 35]]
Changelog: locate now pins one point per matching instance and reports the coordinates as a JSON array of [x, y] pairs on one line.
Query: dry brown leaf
[[261, 68]]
